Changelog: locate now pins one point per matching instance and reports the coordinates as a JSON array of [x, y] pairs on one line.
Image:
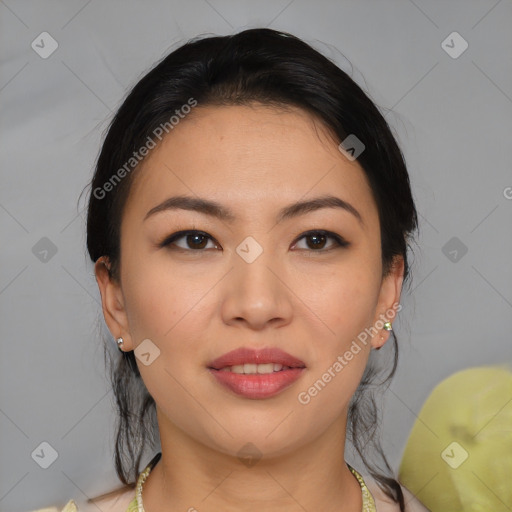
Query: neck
[[191, 476]]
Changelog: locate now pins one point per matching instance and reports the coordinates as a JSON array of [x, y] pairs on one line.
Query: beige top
[[124, 500]]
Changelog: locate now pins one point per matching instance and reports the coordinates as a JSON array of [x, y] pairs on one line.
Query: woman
[[249, 223]]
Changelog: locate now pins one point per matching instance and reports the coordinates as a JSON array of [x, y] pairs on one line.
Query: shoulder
[[385, 504], [116, 501], [69, 507]]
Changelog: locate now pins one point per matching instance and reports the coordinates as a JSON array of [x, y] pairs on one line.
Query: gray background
[[452, 117]]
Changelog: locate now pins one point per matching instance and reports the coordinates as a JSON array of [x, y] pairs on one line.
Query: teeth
[[251, 368], [265, 368]]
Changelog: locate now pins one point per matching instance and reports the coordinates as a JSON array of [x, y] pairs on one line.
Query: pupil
[[195, 238], [317, 237]]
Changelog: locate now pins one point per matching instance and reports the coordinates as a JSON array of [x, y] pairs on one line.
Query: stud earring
[[120, 342], [388, 327]]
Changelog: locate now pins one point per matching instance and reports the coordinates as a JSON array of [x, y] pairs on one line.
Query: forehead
[[249, 157]]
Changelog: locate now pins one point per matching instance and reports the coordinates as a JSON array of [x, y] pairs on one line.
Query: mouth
[[252, 369], [252, 360], [256, 374]]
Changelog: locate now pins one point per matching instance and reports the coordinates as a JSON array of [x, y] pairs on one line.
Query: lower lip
[[258, 385]]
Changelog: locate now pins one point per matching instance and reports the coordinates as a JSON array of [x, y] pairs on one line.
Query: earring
[[120, 342], [388, 327]]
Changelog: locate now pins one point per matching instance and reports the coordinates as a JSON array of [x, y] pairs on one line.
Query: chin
[[270, 437], [251, 448]]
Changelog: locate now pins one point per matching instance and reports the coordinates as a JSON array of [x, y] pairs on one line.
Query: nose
[[256, 294]]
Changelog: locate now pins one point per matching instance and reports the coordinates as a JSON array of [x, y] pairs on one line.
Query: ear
[[389, 300], [112, 303]]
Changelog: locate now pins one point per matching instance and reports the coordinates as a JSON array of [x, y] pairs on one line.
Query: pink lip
[[257, 386], [262, 356], [248, 355]]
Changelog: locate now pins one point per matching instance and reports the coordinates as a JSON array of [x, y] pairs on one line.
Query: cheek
[[342, 301], [160, 301], [345, 302], [340, 350], [164, 308]]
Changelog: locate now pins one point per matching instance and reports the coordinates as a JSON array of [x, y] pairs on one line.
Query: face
[[195, 286]]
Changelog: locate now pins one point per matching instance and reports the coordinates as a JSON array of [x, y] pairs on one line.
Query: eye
[[198, 240], [195, 240], [319, 238]]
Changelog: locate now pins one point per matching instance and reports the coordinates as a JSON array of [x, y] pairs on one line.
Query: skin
[[197, 304]]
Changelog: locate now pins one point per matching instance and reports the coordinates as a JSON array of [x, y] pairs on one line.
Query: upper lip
[[248, 355]]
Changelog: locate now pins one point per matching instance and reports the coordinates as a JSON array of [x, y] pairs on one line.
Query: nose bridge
[[255, 292], [253, 268]]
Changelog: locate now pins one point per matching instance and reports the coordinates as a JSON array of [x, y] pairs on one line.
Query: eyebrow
[[221, 212]]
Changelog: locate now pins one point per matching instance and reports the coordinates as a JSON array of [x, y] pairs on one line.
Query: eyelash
[[340, 242]]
